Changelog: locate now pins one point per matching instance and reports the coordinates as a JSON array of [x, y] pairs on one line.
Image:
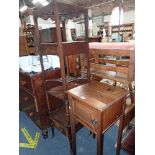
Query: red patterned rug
[[129, 143]]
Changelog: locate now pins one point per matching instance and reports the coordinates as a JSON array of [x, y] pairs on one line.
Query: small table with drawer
[[97, 106]]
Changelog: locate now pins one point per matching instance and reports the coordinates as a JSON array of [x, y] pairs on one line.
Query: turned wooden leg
[[119, 138], [100, 138]]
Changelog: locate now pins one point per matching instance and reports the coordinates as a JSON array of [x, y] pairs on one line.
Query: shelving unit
[[123, 29], [29, 33]]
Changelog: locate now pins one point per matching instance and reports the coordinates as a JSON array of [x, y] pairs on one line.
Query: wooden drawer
[[87, 115], [112, 113]]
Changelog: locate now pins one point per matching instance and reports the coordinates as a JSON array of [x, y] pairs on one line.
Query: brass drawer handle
[[93, 122]]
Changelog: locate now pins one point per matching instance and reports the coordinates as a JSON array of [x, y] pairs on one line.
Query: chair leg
[[91, 133]]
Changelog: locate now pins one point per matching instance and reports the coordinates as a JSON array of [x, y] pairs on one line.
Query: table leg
[[100, 139], [73, 135], [72, 125]]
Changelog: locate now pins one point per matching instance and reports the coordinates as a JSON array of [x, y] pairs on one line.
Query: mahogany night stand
[[97, 106]]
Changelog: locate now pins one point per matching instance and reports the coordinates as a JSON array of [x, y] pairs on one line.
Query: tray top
[[98, 95]]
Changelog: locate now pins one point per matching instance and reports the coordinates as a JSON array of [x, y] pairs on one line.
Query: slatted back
[[118, 65]]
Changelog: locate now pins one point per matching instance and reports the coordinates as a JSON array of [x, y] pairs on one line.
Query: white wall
[[98, 20], [44, 24], [129, 17], [79, 29], [107, 18]]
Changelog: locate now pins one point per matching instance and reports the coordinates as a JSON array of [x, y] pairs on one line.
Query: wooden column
[[43, 101]]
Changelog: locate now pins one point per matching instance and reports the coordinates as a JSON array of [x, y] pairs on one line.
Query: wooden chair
[[56, 96], [118, 66]]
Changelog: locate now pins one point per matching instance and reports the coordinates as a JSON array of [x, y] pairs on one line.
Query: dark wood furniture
[[97, 106], [32, 97], [56, 96], [118, 66], [23, 49]]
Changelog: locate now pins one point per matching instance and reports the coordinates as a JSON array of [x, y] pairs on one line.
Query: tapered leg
[[70, 139], [119, 138], [72, 127], [52, 129], [100, 138], [73, 135]]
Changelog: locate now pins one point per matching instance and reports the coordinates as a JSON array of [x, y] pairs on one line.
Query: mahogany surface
[[97, 106]]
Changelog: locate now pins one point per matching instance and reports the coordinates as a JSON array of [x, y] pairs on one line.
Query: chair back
[[116, 64]]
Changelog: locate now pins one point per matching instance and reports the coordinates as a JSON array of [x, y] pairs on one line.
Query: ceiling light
[[34, 1], [22, 9], [43, 2]]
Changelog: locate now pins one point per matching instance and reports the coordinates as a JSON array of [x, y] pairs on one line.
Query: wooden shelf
[[29, 32], [124, 28], [59, 92], [60, 120]]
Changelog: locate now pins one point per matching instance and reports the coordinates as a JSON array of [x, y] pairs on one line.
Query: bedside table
[[97, 106]]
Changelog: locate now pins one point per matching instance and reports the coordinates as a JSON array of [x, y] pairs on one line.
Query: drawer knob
[[93, 122]]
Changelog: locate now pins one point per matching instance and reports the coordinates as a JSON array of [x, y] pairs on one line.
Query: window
[[115, 16]]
